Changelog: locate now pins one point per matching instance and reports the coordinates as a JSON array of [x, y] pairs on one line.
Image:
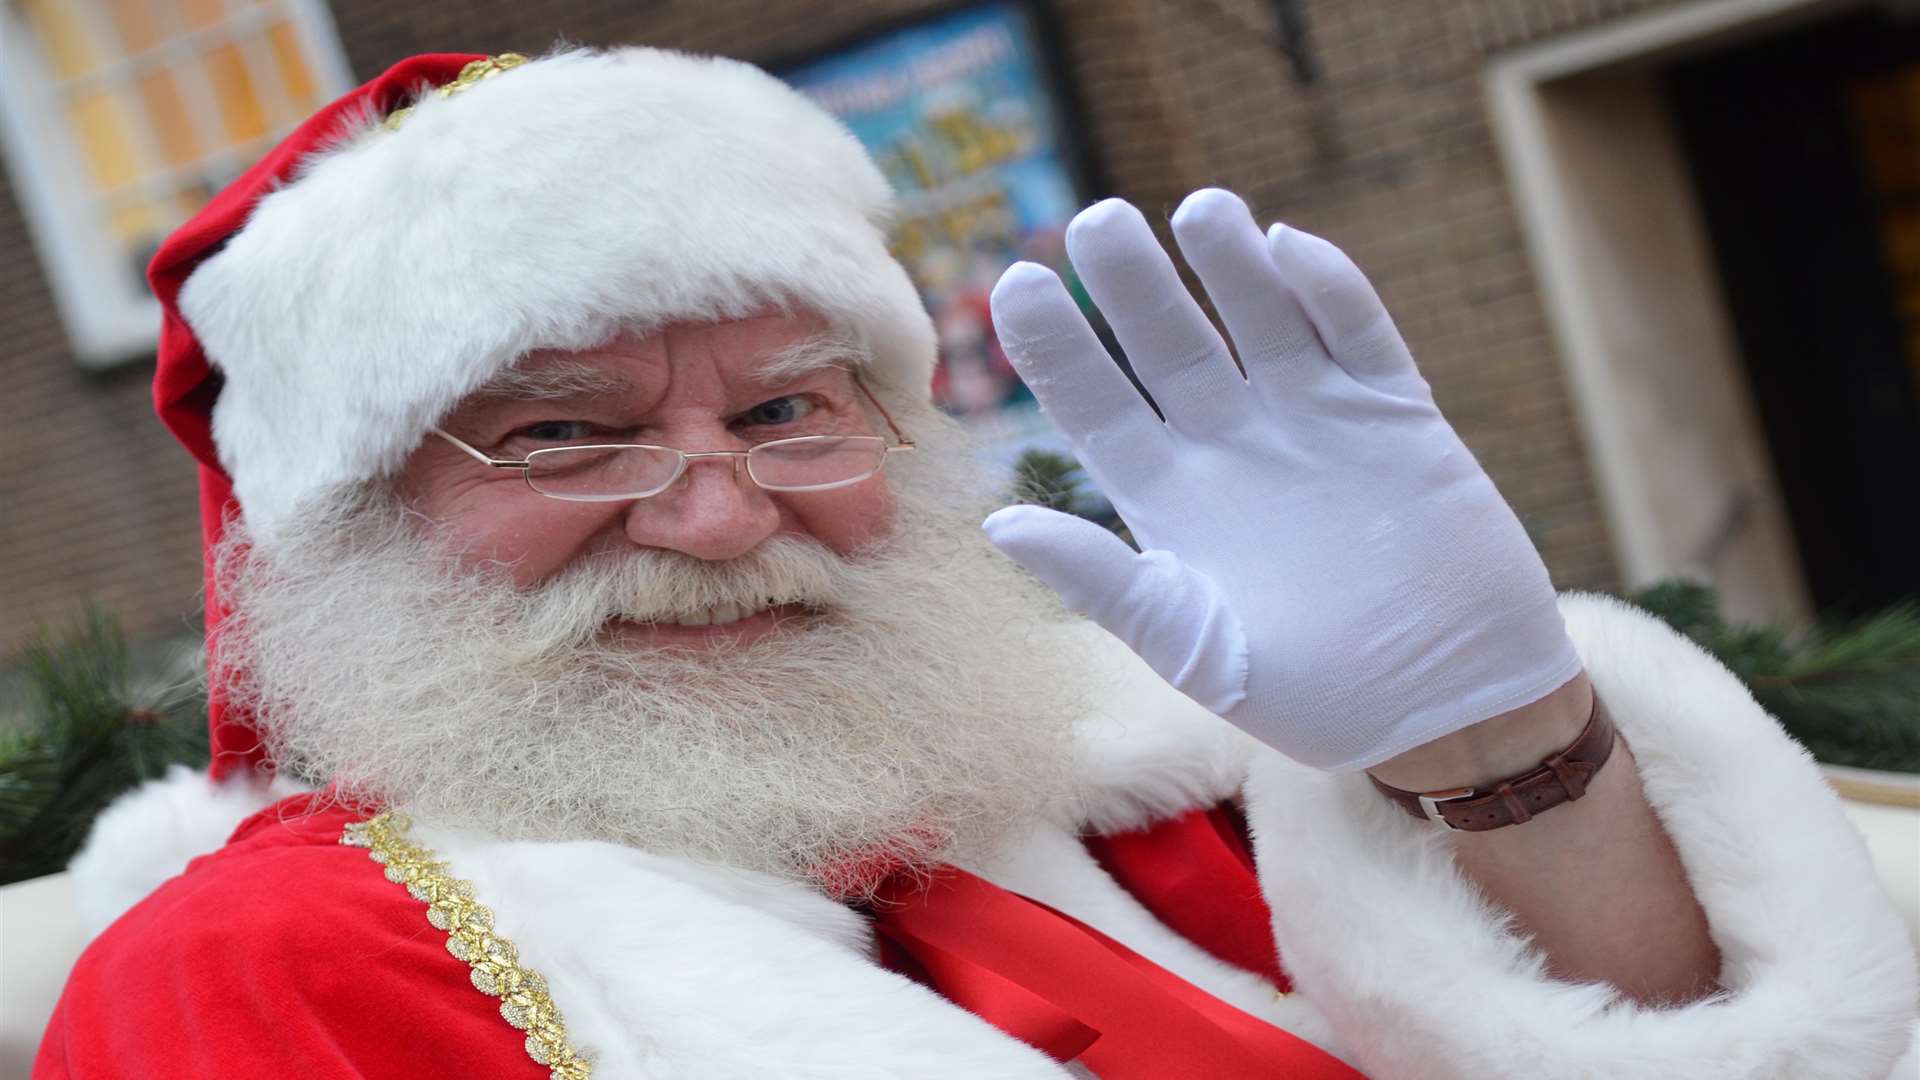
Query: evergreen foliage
[[81, 734], [1047, 479], [1849, 691], [1044, 478]]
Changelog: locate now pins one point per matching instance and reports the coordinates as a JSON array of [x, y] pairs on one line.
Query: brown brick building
[[1523, 179]]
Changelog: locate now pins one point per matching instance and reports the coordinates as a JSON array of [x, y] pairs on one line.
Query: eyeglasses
[[620, 472]]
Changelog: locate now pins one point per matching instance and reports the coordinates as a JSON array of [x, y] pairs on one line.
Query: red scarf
[[1071, 991]]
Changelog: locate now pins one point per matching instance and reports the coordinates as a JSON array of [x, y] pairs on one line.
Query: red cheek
[[535, 542], [846, 519], [539, 538]]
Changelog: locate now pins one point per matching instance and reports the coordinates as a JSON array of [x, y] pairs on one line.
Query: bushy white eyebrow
[[561, 380], [556, 381], [811, 354]]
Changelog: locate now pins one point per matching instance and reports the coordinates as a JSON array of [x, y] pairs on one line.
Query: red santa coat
[[283, 953], [287, 953]]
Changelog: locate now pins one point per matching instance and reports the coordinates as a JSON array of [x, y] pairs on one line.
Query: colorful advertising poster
[[960, 115]]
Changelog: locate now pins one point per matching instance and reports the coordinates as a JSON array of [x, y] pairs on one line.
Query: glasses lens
[[815, 462], [591, 473]]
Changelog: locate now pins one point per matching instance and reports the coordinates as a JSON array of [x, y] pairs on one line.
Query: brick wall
[[1389, 154], [96, 500]]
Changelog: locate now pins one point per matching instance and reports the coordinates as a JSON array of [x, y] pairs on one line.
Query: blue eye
[[781, 410], [554, 431]]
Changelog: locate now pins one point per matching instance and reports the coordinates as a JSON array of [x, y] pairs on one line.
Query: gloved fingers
[[1175, 351], [1170, 614], [1082, 562], [1271, 330], [1077, 383], [1353, 323]]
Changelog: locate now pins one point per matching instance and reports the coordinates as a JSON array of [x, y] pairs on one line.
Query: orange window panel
[[200, 14], [137, 222], [167, 117], [138, 23], [63, 40], [1887, 124], [240, 108], [290, 56], [100, 125]]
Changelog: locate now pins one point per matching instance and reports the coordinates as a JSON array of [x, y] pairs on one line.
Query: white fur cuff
[[1422, 977]]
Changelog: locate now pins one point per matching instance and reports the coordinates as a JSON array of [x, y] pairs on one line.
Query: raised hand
[[1325, 564]]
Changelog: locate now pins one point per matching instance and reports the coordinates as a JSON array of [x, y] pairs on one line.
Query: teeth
[[713, 616]]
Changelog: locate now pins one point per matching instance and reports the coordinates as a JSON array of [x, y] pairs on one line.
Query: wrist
[[1495, 748]]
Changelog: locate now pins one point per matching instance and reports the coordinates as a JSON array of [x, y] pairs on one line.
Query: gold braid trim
[[476, 71], [524, 1002]]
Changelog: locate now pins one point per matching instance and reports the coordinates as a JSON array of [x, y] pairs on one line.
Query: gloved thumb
[[1172, 615]]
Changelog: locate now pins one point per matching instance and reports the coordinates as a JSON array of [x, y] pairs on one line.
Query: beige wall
[[1688, 484], [1619, 245]]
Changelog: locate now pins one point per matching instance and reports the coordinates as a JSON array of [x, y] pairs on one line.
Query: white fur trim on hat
[[546, 208]]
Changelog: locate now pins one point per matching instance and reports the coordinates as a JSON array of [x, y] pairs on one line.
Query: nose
[[713, 512]]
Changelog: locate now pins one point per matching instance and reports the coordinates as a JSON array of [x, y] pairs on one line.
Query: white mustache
[[651, 586]]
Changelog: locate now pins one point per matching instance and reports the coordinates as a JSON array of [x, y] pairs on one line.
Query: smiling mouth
[[723, 615], [721, 618]]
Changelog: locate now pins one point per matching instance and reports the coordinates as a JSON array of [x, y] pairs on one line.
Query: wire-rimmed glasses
[[618, 472]]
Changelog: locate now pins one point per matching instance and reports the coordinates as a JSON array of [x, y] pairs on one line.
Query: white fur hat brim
[[548, 207]]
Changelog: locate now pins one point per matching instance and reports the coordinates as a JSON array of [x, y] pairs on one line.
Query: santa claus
[[588, 563]]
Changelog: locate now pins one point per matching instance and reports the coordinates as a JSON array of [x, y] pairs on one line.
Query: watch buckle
[[1430, 803]]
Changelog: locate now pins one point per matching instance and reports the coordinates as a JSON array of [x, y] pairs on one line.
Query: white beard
[[921, 711]]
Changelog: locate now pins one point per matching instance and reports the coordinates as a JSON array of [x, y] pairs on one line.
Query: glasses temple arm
[[477, 455], [884, 414]]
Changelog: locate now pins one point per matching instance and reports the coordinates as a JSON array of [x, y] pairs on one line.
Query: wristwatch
[[1561, 778]]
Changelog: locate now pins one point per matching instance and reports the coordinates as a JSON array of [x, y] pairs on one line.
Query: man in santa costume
[[581, 533]]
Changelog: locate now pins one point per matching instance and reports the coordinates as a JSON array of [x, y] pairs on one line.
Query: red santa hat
[[339, 298]]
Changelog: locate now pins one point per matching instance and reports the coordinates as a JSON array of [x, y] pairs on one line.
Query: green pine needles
[[1044, 478], [1850, 691], [81, 734]]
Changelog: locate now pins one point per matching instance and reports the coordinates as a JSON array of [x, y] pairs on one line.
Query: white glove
[[1325, 564]]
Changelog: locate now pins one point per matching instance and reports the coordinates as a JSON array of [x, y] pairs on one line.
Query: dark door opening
[[1805, 154]]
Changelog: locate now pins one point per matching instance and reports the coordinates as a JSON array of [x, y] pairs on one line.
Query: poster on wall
[[962, 114]]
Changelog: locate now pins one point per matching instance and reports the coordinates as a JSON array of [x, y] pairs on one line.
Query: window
[[120, 118], [1886, 122]]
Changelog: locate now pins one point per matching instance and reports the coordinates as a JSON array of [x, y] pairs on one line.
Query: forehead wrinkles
[[561, 378]]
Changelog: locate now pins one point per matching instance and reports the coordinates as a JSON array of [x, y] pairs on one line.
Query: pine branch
[[1056, 481], [1043, 478], [1849, 691], [82, 738]]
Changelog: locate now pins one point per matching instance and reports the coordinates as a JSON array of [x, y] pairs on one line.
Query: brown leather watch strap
[[1515, 800]]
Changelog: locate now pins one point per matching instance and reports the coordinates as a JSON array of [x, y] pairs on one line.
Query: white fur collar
[[1147, 751], [663, 970]]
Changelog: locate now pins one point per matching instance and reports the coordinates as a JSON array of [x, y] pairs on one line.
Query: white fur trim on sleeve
[[1423, 977], [150, 834]]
